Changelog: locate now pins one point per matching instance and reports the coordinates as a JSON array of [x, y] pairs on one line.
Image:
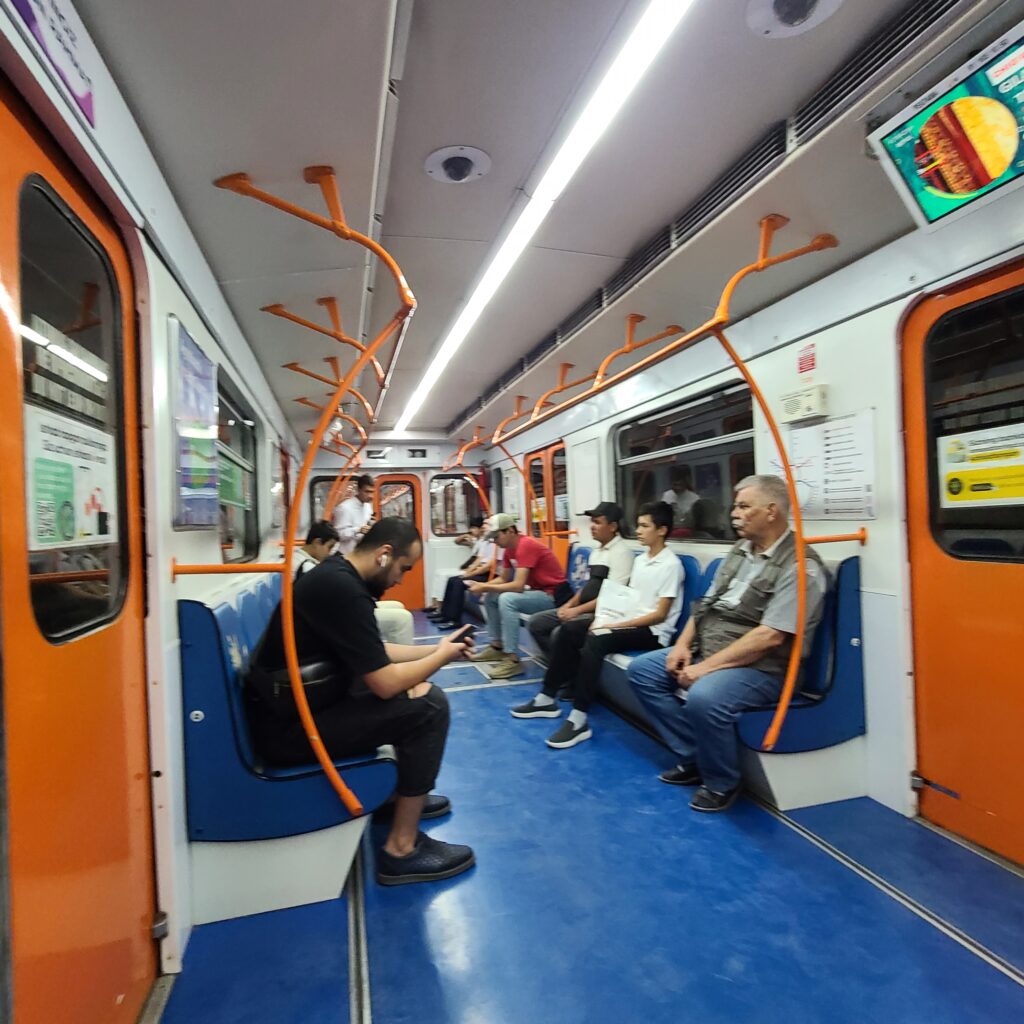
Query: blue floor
[[287, 967], [975, 895], [598, 896]]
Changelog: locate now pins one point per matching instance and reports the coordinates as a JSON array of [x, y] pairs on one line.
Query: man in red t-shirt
[[531, 580]]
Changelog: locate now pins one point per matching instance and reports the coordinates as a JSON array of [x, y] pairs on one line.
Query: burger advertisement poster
[[966, 141]]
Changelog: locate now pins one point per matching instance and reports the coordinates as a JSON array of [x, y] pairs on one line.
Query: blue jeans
[[702, 730], [503, 611]]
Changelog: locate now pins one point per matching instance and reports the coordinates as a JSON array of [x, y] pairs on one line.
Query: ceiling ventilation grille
[[913, 27]]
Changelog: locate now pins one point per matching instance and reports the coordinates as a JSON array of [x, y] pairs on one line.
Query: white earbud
[[382, 561]]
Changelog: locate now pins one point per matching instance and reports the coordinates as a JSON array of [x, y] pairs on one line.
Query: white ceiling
[[256, 86]]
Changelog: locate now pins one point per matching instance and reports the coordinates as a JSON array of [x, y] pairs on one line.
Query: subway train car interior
[[514, 511]]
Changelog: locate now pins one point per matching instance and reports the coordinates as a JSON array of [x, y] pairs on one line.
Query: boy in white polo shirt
[[657, 578]]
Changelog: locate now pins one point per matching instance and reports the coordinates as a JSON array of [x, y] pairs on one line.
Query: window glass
[[539, 505], [691, 456], [236, 477], [74, 449], [319, 491], [974, 372], [560, 484], [497, 479], [454, 500]]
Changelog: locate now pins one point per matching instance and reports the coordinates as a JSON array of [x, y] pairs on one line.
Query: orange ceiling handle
[[455, 462], [768, 226], [632, 344], [518, 412], [278, 310], [324, 177], [562, 385]]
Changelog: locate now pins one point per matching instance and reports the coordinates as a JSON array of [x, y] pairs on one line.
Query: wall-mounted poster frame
[[194, 411]]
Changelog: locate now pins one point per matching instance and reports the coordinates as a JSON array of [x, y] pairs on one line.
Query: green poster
[[53, 501], [233, 484]]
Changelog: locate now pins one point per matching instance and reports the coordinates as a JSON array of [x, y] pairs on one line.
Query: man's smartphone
[[466, 633]]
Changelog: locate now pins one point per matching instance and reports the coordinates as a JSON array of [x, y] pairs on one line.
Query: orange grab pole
[[793, 668], [861, 536], [632, 345], [721, 318], [324, 177], [223, 570], [81, 576], [456, 463], [531, 496], [517, 413]]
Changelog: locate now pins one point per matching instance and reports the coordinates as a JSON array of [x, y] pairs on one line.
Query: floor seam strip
[[940, 924], [360, 1006]]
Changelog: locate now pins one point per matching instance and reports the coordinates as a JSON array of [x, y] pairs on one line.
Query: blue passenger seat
[[830, 706], [231, 795]]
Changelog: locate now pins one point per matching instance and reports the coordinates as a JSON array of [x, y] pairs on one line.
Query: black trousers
[[455, 597], [593, 653], [417, 727], [562, 643]]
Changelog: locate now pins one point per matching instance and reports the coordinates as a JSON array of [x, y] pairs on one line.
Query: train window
[[974, 374], [538, 505], [453, 502], [74, 446], [236, 476], [692, 456], [319, 492]]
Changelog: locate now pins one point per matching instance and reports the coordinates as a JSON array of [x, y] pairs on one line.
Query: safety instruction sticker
[[71, 474], [982, 467]]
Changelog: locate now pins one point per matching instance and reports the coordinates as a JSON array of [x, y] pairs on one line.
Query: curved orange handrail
[[721, 318], [345, 474], [632, 345], [324, 177], [456, 463], [561, 386], [531, 496]]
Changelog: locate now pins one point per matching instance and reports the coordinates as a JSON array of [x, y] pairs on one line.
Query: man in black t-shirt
[[385, 696]]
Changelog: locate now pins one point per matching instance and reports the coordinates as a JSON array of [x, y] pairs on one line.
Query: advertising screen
[[961, 142]]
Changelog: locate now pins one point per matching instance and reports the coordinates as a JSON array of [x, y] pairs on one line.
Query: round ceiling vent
[[779, 19], [457, 164]]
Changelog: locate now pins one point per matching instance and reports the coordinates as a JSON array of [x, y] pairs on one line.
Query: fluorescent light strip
[[645, 42]]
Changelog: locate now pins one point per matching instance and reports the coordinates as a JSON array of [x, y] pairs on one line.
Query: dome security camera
[[457, 165]]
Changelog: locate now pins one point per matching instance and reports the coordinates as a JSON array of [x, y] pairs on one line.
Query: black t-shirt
[[334, 621]]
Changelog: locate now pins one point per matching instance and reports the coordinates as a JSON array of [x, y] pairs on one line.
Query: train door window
[[454, 500], [538, 504], [497, 479], [559, 490], [236, 476], [974, 373], [319, 494], [74, 432], [692, 456], [396, 499]]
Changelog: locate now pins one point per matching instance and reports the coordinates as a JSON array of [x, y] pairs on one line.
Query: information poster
[[982, 467], [967, 142], [195, 427], [71, 470], [234, 484], [834, 464]]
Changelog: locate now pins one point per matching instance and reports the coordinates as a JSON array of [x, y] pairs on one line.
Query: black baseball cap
[[612, 512]]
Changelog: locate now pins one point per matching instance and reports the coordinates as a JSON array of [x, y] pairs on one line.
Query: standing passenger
[[733, 653], [354, 515], [379, 693], [657, 580], [531, 581]]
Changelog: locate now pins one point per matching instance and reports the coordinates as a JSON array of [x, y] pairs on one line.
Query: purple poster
[[59, 32]]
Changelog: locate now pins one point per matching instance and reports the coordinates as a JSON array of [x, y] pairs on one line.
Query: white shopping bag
[[617, 603]]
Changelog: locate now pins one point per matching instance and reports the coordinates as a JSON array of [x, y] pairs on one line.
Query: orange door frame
[[410, 589], [80, 842], [967, 737]]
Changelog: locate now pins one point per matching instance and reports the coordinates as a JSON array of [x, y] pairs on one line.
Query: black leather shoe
[[710, 802], [430, 861], [682, 775], [435, 806]]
